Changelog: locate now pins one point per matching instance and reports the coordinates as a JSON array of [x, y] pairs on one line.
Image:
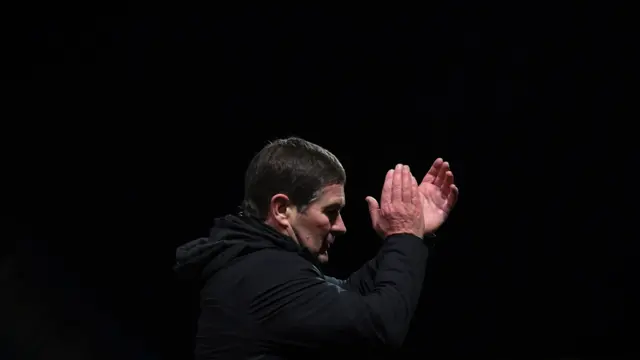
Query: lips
[[324, 248], [329, 239], [326, 244]]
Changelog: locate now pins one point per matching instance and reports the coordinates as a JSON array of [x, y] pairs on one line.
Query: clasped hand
[[403, 199]]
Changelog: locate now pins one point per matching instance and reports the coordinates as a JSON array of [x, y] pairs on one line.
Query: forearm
[[363, 279], [379, 319]]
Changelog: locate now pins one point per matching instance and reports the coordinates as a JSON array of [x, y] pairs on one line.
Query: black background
[[136, 125]]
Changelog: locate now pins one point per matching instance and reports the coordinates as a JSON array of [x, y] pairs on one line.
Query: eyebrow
[[334, 206]]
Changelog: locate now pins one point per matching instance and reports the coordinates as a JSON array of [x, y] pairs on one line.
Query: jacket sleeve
[[363, 279], [306, 312]]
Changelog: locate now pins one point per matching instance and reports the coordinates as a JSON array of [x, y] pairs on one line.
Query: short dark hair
[[292, 166]]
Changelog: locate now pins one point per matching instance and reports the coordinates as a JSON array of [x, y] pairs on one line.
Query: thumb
[[373, 209]]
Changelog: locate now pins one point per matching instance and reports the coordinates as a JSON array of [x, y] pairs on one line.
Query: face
[[317, 227]]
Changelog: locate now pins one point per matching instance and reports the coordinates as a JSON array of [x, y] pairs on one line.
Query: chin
[[323, 258]]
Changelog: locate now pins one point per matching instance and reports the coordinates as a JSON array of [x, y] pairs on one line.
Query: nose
[[338, 227]]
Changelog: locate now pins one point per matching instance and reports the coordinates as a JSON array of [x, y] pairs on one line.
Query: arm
[[363, 279], [439, 196], [313, 314]]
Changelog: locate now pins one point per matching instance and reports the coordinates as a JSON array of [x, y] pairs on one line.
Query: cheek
[[317, 223], [324, 228], [324, 225], [316, 226]]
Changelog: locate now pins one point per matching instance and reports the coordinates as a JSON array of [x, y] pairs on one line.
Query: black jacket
[[264, 297]]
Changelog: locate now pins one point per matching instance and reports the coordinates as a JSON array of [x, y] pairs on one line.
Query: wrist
[[386, 235]]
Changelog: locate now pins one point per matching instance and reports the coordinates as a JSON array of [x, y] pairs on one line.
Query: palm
[[439, 195]]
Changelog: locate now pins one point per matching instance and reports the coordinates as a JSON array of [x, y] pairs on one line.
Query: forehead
[[331, 195]]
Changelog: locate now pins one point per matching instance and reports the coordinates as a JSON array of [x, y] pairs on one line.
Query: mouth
[[324, 250]]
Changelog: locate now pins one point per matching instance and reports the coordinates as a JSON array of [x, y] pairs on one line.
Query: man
[[263, 295]]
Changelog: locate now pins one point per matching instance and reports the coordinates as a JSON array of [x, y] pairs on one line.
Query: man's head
[[298, 188]]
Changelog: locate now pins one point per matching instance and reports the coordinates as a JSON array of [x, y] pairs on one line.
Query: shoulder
[[267, 266]]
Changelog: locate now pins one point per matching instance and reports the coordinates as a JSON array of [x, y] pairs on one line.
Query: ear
[[281, 210]]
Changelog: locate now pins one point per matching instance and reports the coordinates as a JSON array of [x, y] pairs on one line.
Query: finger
[[441, 174], [415, 192], [452, 199], [374, 208], [433, 171], [396, 193], [385, 198], [448, 181], [406, 184]]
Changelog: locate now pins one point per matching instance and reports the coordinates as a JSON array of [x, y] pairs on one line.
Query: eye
[[332, 214]]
